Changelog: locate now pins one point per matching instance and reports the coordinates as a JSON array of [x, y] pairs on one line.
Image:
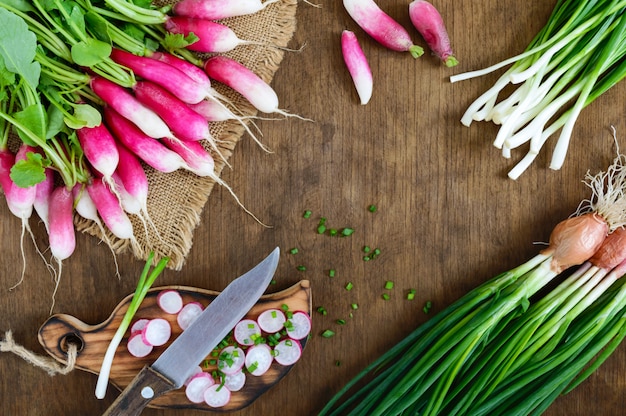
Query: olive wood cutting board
[[93, 340]]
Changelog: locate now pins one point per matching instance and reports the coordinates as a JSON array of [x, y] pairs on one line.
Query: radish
[[170, 301], [137, 347], [197, 372], [156, 332], [129, 107], [236, 381], [231, 360], [217, 395], [271, 320], [61, 234], [42, 197], [197, 159], [197, 385], [300, 325], [100, 149], [138, 325], [129, 203], [145, 147], [258, 359], [246, 332], [382, 27], [429, 23], [357, 65], [219, 9], [213, 37], [287, 352], [7, 160], [112, 214], [192, 71], [163, 74], [188, 314], [213, 111]]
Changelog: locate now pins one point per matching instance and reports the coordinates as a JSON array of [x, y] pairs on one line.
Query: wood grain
[[447, 219]]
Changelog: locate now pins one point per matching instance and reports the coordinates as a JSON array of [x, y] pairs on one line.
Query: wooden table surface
[[447, 219]]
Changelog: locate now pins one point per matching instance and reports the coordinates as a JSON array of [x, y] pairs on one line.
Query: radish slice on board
[[197, 385], [170, 301], [231, 360], [246, 332], [188, 314], [136, 347], [139, 325], [300, 325], [197, 372], [287, 352], [217, 396], [272, 320], [157, 332], [236, 381], [259, 359]]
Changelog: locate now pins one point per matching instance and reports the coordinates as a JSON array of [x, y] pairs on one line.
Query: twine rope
[[51, 366]]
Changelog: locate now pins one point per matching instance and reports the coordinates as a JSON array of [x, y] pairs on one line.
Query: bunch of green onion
[[575, 58], [506, 347]]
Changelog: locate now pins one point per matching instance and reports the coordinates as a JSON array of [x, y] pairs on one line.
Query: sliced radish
[[258, 359], [246, 332], [236, 381], [136, 347], [287, 352], [197, 385], [170, 301], [196, 373], [157, 332], [139, 325], [231, 360], [271, 320], [300, 326], [217, 395], [188, 314]]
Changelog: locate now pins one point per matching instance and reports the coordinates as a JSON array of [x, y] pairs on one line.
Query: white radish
[[197, 385], [42, 197], [138, 325], [258, 359], [287, 352], [357, 64], [219, 9], [62, 236], [188, 314], [217, 396], [109, 209], [197, 371], [170, 301], [300, 325], [100, 149], [246, 332], [156, 332], [212, 37], [231, 359], [137, 347], [271, 320]]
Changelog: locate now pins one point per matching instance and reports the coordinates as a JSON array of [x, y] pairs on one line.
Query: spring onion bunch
[[506, 347], [575, 58]]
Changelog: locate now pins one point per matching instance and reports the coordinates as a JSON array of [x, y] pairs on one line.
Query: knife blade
[[181, 358]]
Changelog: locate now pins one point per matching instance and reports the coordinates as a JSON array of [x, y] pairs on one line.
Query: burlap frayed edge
[[183, 213]]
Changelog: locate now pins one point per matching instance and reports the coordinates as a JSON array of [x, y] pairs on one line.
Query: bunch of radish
[[392, 35], [92, 117], [254, 344]]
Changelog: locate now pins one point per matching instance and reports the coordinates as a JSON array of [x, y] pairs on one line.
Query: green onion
[[388, 285], [301, 268], [347, 232], [294, 250], [322, 310], [427, 306], [331, 273], [354, 306], [307, 214], [411, 294], [321, 229], [349, 286], [328, 333], [372, 208], [341, 321], [385, 296], [333, 232], [366, 249]]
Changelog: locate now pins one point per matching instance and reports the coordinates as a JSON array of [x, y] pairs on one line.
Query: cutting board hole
[[71, 339]]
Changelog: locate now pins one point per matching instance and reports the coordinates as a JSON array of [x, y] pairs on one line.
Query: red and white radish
[[217, 396], [235, 381], [258, 359], [197, 385], [246, 332], [21, 200], [170, 301], [271, 320], [130, 108], [213, 37], [212, 110], [357, 64], [42, 197], [110, 210], [156, 332], [100, 149], [429, 23], [129, 203], [62, 236], [300, 325], [138, 325], [151, 151], [194, 72], [231, 359], [137, 347], [219, 9], [197, 159], [7, 160], [188, 314], [382, 27], [287, 352]]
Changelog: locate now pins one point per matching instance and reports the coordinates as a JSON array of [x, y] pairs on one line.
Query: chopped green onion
[[294, 250], [307, 214], [337, 363], [333, 232], [328, 333], [321, 229], [388, 285], [366, 258], [322, 310], [341, 321], [301, 268], [331, 273], [349, 286], [354, 306], [346, 232], [385, 296], [427, 306], [366, 249], [372, 208], [411, 294]]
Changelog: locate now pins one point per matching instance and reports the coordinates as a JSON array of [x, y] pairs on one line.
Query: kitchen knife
[[181, 359]]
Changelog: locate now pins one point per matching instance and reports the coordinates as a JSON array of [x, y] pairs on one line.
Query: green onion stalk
[[576, 57], [457, 362]]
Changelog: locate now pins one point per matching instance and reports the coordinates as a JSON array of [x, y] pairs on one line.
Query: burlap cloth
[[176, 200]]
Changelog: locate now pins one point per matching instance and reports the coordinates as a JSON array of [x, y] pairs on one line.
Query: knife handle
[[145, 387]]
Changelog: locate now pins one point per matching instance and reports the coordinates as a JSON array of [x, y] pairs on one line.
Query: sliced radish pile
[[139, 325], [217, 395], [246, 332], [136, 346], [188, 314], [156, 332], [197, 385], [287, 352], [236, 381], [272, 320], [300, 325], [170, 301], [231, 360], [259, 359]]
